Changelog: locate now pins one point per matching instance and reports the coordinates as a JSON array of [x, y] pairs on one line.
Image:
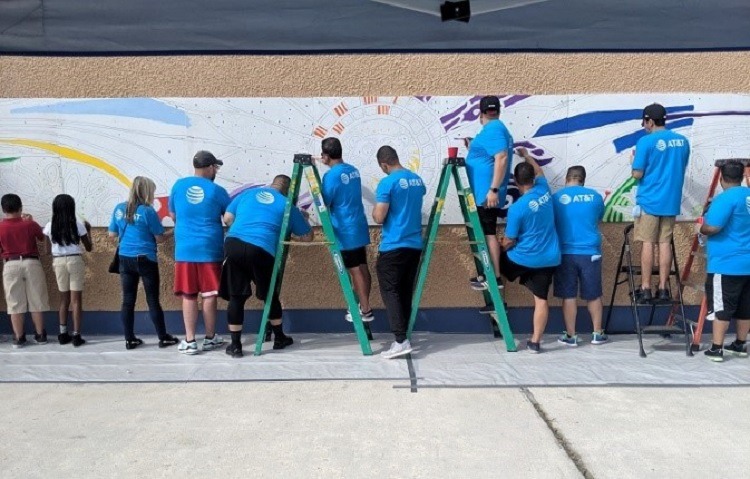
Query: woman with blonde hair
[[138, 228]]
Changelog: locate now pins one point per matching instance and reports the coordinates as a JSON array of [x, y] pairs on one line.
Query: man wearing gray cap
[[659, 165], [488, 166], [196, 204]]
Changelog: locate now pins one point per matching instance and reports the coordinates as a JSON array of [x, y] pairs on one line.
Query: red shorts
[[193, 278]]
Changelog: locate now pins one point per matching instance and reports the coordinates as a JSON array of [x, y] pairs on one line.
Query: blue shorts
[[578, 269]]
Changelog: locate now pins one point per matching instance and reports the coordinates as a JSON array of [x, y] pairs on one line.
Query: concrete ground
[[371, 429]]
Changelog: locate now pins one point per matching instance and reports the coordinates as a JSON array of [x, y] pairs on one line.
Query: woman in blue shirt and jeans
[[138, 228]]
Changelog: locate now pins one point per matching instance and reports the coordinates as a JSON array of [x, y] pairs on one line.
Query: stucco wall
[[310, 279]]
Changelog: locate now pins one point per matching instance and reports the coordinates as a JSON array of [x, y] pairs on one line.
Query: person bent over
[[532, 250], [399, 209], [578, 211], [24, 282], [254, 218], [727, 226]]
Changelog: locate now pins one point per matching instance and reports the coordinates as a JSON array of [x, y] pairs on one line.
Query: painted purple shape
[[536, 151], [513, 99], [423, 99], [469, 111]]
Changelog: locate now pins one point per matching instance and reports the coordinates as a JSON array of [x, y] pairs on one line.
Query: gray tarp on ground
[[307, 26]]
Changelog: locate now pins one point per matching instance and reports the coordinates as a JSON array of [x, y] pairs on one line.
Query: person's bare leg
[[647, 264], [362, 283], [62, 312], [743, 327], [209, 308], [16, 321], [719, 330], [494, 246], [541, 313], [190, 316], [76, 306], [570, 310], [596, 309], [665, 264], [38, 319]]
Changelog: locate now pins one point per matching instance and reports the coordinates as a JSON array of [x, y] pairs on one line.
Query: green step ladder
[[304, 165], [455, 168]]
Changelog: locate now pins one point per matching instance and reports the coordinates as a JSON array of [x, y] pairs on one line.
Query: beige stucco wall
[[310, 279]]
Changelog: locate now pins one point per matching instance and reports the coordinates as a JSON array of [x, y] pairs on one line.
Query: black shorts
[[728, 297], [245, 263], [537, 280], [354, 257], [488, 219]]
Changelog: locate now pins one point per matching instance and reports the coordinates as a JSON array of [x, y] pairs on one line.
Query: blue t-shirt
[[531, 222], [663, 157], [342, 192], [403, 191], [258, 214], [138, 238], [198, 204], [729, 250], [578, 211], [480, 162]]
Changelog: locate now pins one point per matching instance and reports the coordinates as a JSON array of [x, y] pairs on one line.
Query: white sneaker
[[188, 348], [397, 350], [213, 343], [366, 317]]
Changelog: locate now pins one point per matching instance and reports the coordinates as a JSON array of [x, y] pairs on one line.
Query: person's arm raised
[[524, 153]]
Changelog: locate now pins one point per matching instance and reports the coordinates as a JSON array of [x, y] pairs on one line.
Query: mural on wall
[[93, 148]]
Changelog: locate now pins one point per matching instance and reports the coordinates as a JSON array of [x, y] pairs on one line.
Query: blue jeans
[[133, 269]]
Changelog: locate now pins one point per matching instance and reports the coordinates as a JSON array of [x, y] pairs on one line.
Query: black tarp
[[309, 26]]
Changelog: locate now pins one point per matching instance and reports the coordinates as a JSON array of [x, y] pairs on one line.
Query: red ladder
[[697, 326]]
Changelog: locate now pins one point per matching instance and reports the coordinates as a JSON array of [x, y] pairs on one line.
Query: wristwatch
[[494, 190]]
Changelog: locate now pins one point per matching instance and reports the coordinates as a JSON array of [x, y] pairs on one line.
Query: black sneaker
[[478, 283], [282, 342], [64, 338], [736, 349], [234, 350], [133, 343], [19, 342], [533, 347], [715, 355], [643, 295], [41, 338], [78, 340], [168, 341], [663, 296]]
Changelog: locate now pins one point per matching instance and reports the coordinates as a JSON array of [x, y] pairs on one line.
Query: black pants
[[131, 271], [397, 272], [244, 264]]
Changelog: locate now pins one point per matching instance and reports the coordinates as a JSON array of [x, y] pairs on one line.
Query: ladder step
[[661, 329], [672, 302], [679, 317], [637, 271]]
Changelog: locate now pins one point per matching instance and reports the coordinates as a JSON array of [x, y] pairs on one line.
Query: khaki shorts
[[25, 286], [654, 229], [69, 272]]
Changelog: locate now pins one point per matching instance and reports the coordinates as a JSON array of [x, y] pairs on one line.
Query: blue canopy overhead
[[313, 26]]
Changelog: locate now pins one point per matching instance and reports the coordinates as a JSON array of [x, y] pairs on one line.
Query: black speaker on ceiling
[[460, 11]]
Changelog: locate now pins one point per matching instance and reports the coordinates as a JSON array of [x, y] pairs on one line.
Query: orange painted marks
[[338, 128], [340, 109], [320, 132], [384, 109], [370, 99]]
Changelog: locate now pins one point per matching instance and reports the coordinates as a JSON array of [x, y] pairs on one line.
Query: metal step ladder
[[455, 169], [304, 165], [696, 250], [626, 273]]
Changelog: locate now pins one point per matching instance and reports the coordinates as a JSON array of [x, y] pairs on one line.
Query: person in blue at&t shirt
[[488, 165], [659, 165], [254, 218], [136, 224], [196, 204], [342, 192], [532, 250], [578, 211], [727, 226], [399, 209]]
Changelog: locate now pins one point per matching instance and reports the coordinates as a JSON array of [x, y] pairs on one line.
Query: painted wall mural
[[93, 148]]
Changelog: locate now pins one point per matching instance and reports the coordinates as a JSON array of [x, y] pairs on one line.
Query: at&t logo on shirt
[[565, 199], [661, 145], [345, 178], [535, 204], [403, 183], [194, 195], [265, 197], [119, 214]]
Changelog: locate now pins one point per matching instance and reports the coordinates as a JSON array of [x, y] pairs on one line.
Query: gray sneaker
[[210, 344], [397, 349], [188, 348]]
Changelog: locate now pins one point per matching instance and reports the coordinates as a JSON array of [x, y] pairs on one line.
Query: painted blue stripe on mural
[[629, 141], [146, 108], [596, 119]]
